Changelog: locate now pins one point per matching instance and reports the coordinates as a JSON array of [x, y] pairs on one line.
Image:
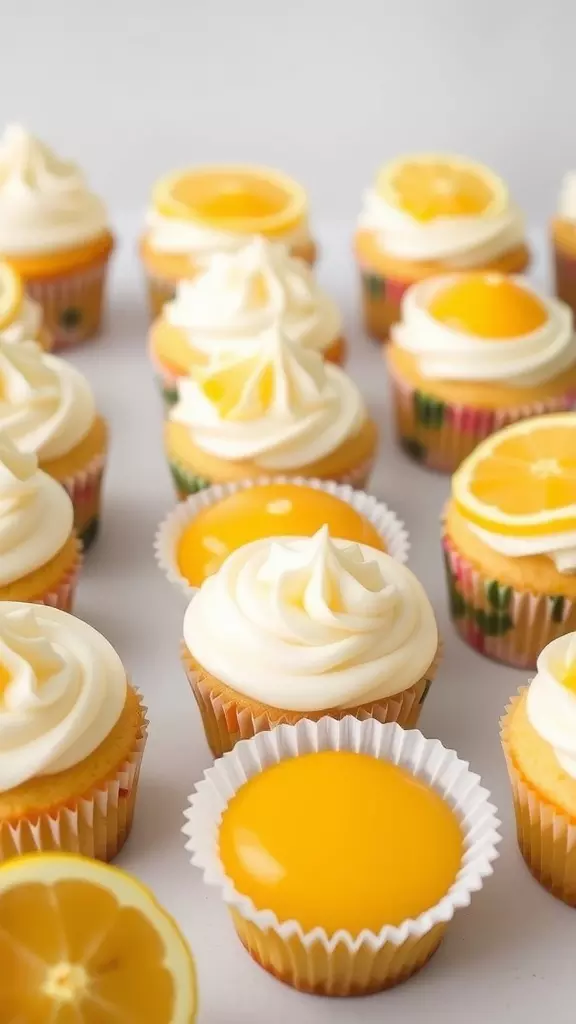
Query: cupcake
[[314, 834], [73, 734], [54, 231], [196, 536], [314, 626], [268, 406], [509, 538], [539, 740], [39, 551], [234, 298], [21, 318], [428, 215], [472, 353], [47, 409], [197, 212]]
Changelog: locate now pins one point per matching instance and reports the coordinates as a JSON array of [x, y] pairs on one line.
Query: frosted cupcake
[[72, 733], [472, 353], [39, 551], [21, 318], [510, 540], [539, 739], [48, 409], [314, 626], [203, 210], [563, 238], [233, 299], [55, 233], [269, 406], [429, 214]]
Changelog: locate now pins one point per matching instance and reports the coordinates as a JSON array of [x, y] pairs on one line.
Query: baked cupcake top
[[46, 405], [429, 207], [241, 293], [45, 202], [36, 514], [517, 490], [211, 209], [63, 689], [485, 327], [551, 700], [312, 623], [269, 401]]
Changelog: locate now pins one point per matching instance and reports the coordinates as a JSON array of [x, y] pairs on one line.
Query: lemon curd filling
[[267, 510], [340, 840], [490, 306]]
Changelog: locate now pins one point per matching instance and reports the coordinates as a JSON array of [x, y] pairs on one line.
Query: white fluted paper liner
[[387, 524], [341, 964]]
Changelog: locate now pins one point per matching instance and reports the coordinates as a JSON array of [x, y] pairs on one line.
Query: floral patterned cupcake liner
[[85, 490], [546, 835], [440, 435], [381, 300], [508, 625], [96, 824], [342, 964], [391, 529], [72, 302], [565, 276]]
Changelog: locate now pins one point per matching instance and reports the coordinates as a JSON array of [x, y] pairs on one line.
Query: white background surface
[[509, 957]]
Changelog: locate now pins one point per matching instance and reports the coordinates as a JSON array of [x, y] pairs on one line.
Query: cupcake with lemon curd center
[[510, 540], [426, 215], [39, 551], [236, 297], [313, 626], [47, 409], [268, 406], [54, 231], [21, 318], [200, 211], [539, 739], [472, 353], [72, 734]]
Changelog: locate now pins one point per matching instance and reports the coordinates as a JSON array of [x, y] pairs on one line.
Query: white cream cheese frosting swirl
[[312, 623], [36, 514], [551, 705], [559, 547], [169, 234], [459, 241], [45, 203], [243, 293], [27, 325], [62, 688], [444, 353], [269, 401], [46, 405]]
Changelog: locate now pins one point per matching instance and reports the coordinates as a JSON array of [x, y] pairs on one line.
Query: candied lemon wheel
[[84, 942], [522, 480], [431, 185], [11, 294]]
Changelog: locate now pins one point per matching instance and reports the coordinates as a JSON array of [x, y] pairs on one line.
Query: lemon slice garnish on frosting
[[11, 294], [240, 199], [431, 185], [522, 480]]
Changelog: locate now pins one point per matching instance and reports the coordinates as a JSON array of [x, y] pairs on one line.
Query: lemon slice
[[242, 199], [431, 185], [11, 294], [522, 480], [83, 942]]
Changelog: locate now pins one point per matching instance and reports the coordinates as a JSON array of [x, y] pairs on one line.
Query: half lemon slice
[[431, 185], [11, 294], [83, 942], [522, 480]]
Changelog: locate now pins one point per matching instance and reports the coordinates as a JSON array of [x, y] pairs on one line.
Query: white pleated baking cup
[[383, 519], [341, 964]]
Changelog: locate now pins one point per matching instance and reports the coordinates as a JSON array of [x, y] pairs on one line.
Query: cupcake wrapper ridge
[[72, 302], [390, 528], [342, 964], [381, 299], [565, 276], [85, 490], [62, 595]]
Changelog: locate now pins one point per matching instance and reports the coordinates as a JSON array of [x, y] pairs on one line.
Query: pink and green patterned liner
[[72, 303]]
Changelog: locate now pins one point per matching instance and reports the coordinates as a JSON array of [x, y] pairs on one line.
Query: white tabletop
[[508, 957]]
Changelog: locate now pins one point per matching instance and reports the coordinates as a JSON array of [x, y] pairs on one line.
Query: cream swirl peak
[[36, 514], [62, 690], [449, 353], [551, 700], [240, 294], [46, 406], [45, 203], [269, 400], [312, 623]]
